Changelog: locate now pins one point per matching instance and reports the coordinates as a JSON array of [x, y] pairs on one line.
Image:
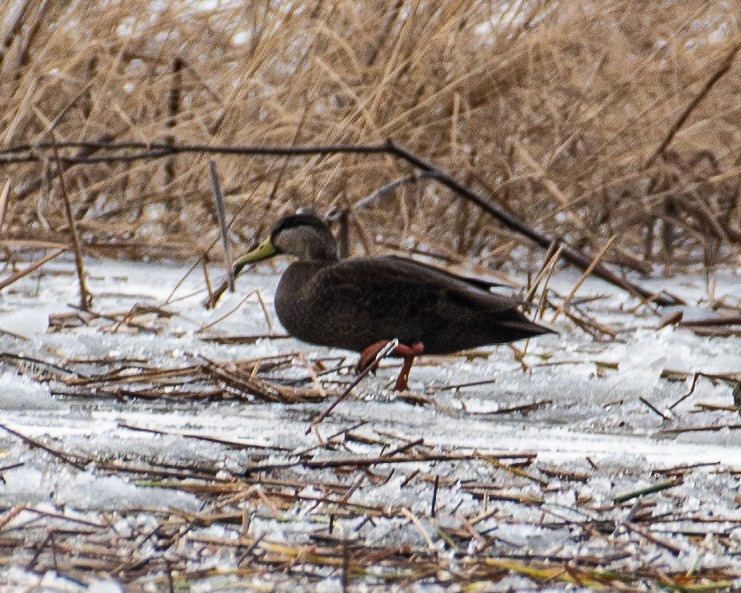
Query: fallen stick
[[384, 352], [32, 268]]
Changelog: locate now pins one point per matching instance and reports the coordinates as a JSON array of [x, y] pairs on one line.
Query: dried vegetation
[[364, 507], [586, 119]]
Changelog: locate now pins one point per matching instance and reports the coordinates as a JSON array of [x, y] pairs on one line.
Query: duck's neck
[[294, 296], [299, 273]]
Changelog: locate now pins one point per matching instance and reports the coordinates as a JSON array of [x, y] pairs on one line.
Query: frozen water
[[585, 417], [22, 393]]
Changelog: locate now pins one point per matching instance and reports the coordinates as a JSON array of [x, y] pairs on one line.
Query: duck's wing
[[479, 282], [451, 295], [406, 279]]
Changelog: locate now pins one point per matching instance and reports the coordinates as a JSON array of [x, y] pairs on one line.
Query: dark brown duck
[[362, 303]]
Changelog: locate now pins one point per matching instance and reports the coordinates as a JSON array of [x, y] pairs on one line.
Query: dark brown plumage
[[356, 303]]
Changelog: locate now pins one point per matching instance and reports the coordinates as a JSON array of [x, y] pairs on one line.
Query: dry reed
[[586, 119]]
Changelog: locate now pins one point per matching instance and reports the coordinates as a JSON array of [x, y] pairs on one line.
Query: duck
[[363, 303]]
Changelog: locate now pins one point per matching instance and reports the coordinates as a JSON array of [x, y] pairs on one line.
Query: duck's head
[[304, 236]]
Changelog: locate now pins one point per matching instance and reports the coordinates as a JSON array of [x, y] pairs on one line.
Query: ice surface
[[25, 322], [105, 586], [18, 393], [586, 417]]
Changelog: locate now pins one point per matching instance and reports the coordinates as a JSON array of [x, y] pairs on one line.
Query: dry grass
[[552, 108]]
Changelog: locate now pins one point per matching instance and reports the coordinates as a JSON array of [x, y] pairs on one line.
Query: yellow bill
[[263, 251]]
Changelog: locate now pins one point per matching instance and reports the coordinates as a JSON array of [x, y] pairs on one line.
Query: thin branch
[[569, 253], [391, 186], [32, 268], [383, 353], [33, 443]]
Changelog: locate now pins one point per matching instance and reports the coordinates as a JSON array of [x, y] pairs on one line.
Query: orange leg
[[368, 355], [408, 353]]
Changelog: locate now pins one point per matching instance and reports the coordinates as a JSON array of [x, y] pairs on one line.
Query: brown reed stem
[[221, 213], [85, 296], [173, 108], [4, 195], [33, 267], [724, 67]]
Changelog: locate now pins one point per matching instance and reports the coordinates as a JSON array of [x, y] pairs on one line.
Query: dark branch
[[161, 150]]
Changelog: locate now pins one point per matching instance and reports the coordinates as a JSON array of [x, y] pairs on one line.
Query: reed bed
[[588, 120]]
